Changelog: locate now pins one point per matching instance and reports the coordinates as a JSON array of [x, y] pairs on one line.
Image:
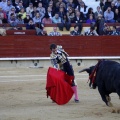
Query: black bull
[[107, 78]]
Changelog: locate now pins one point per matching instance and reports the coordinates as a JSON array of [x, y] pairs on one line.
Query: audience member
[[76, 31], [98, 12], [113, 7], [40, 30], [71, 15], [102, 4], [65, 23], [114, 31], [33, 13], [109, 16], [117, 15], [82, 8], [19, 6], [79, 17], [3, 17], [90, 32], [3, 4], [38, 17], [56, 19], [40, 8], [54, 32], [107, 4], [8, 6], [30, 25], [90, 19], [60, 2], [27, 18], [29, 9], [90, 12], [106, 29], [70, 3], [23, 13], [50, 12], [47, 19], [19, 19]]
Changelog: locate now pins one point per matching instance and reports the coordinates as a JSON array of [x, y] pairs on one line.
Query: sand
[[23, 97]]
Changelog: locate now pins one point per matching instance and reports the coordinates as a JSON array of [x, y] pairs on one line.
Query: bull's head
[[89, 71]]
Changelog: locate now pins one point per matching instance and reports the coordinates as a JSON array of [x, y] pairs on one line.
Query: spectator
[[29, 9], [40, 30], [113, 7], [98, 12], [107, 4], [70, 3], [71, 15], [23, 13], [76, 31], [19, 6], [90, 12], [3, 17], [25, 3], [30, 25], [35, 2], [99, 24], [38, 17], [27, 18], [50, 12], [114, 31], [117, 4], [40, 8], [56, 19], [61, 12], [65, 23], [11, 11], [8, 7], [54, 32], [109, 16], [60, 2], [83, 8], [90, 32], [19, 19], [3, 4], [102, 4], [79, 17], [15, 2], [47, 19], [117, 15], [61, 6], [33, 13], [91, 19], [12, 20], [53, 8], [106, 29]]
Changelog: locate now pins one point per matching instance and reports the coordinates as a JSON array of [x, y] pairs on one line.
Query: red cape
[[57, 88]]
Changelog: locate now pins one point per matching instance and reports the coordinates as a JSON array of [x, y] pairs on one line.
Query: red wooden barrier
[[38, 46]]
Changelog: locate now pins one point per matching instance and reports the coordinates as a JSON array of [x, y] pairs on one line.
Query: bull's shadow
[[106, 76]]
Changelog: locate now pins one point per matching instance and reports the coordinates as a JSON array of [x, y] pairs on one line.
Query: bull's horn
[[86, 69]]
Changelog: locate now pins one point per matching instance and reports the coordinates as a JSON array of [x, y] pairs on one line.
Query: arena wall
[[26, 50]]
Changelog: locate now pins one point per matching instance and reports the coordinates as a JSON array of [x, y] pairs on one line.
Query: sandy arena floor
[[23, 97]]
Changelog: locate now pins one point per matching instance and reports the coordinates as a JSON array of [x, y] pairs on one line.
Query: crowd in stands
[[63, 13]]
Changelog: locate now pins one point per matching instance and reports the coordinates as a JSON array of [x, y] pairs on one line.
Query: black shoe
[[76, 101]]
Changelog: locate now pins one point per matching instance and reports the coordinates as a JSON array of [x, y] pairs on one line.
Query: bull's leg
[[102, 93], [108, 98]]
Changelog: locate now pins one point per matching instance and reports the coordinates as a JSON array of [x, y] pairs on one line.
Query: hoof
[[108, 98]]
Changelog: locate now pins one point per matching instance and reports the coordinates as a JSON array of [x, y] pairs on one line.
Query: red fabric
[[57, 88]]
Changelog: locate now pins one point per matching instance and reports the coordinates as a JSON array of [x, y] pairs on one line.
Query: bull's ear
[[83, 70]]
